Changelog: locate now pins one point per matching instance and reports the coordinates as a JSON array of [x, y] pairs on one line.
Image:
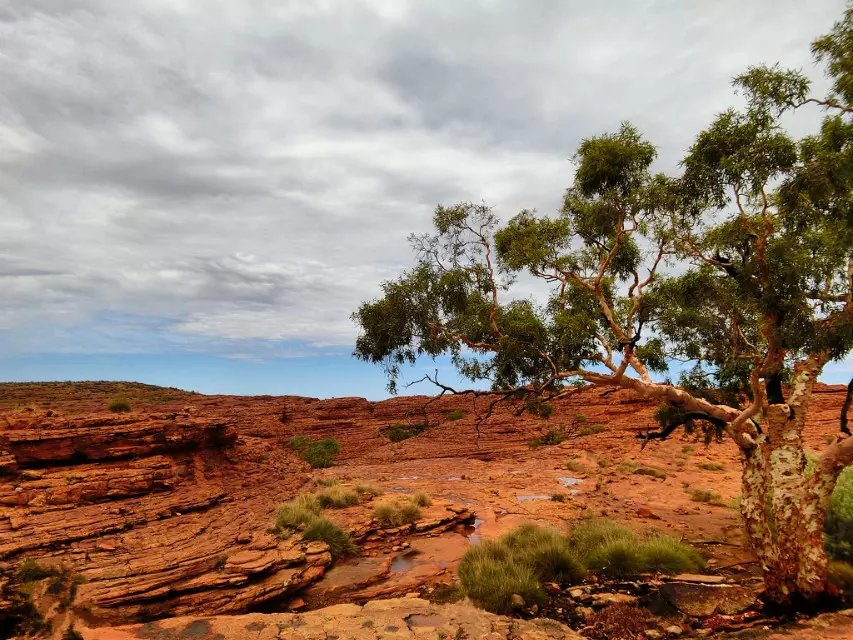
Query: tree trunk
[[783, 510]]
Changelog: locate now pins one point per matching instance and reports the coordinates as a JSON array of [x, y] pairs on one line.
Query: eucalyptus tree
[[742, 265]]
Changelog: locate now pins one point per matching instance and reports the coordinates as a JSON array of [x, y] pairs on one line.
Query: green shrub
[[29, 571], [367, 489], [290, 517], [456, 414], [576, 467], [838, 526], [708, 496], [421, 499], [337, 497], [546, 552], [323, 530], [301, 514], [589, 429], [650, 471], [396, 512], [299, 443], [611, 549], [490, 577], [841, 575], [549, 438], [711, 466], [668, 555], [119, 405], [327, 482], [616, 558], [398, 431], [560, 497], [319, 454]]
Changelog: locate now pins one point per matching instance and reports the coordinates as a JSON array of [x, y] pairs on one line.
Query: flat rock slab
[[701, 600], [398, 619]]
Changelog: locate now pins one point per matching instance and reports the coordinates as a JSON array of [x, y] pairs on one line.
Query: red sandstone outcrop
[[166, 511]]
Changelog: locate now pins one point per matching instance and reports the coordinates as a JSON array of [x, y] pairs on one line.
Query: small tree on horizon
[[742, 264]]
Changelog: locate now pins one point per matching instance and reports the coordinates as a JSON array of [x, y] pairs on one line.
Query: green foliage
[[650, 471], [575, 467], [299, 443], [320, 454], [420, 499], [531, 555], [455, 414], [367, 489], [30, 570], [711, 466], [838, 526], [302, 515], [549, 438], [399, 431], [119, 405], [756, 228], [841, 575], [589, 430], [490, 576], [337, 497], [396, 512], [323, 530], [545, 551], [615, 550], [707, 495]]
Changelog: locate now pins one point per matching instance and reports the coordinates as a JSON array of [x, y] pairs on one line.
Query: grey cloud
[[238, 176]]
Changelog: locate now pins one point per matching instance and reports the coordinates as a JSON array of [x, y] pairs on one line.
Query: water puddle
[[453, 479], [401, 564], [472, 531], [409, 478], [424, 620], [533, 496]]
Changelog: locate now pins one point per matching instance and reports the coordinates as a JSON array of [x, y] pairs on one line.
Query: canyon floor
[[161, 516]]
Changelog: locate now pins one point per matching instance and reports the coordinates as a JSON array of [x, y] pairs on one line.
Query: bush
[[421, 499], [667, 555], [490, 577], [708, 496], [337, 497], [491, 572], [838, 527], [711, 466], [367, 489], [611, 549], [119, 405], [297, 514], [546, 552], [841, 576], [323, 530], [29, 571], [589, 429], [649, 471], [319, 454], [576, 467], [299, 443], [396, 512], [456, 414], [398, 431], [549, 438]]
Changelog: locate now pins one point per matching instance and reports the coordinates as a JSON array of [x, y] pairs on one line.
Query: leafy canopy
[[739, 264]]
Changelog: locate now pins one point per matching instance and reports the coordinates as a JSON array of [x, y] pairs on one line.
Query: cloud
[[235, 177]]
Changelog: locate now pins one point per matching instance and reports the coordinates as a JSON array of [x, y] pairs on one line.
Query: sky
[[199, 193]]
